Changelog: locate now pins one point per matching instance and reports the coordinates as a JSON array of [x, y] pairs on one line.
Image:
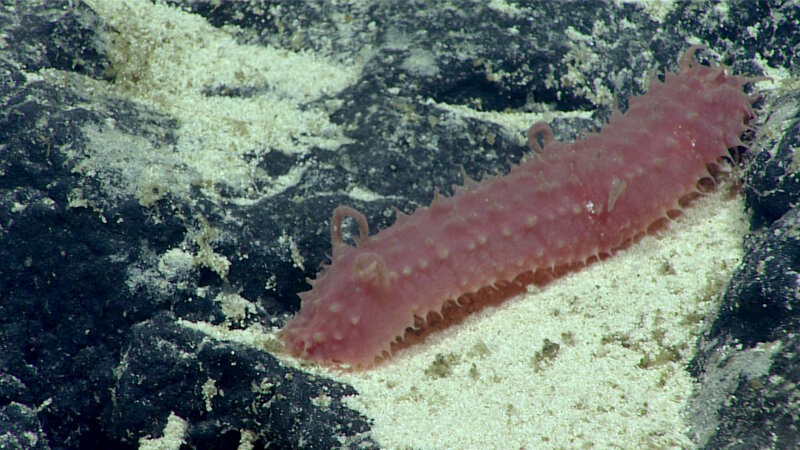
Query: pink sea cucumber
[[565, 206]]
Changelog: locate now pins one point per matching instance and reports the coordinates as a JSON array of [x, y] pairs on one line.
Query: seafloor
[[167, 174]]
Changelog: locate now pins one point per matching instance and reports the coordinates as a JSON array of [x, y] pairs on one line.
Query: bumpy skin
[[570, 203]]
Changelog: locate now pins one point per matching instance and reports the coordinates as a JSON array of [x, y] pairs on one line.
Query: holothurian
[[568, 204]]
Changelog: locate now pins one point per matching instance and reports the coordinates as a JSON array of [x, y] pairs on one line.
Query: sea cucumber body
[[569, 203]]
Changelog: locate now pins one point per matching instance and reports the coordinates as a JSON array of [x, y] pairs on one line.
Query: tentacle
[[543, 129], [687, 60], [337, 241]]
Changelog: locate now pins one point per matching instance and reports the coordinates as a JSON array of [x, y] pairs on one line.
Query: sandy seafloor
[[596, 358]]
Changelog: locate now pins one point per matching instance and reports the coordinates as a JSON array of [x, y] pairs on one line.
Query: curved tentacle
[[688, 59], [337, 241], [537, 129]]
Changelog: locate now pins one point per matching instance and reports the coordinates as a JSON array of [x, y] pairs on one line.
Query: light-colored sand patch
[[233, 102], [595, 358]]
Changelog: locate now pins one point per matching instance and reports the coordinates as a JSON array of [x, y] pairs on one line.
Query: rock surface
[[157, 219]]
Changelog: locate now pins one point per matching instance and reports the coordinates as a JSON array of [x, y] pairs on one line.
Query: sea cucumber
[[566, 205]]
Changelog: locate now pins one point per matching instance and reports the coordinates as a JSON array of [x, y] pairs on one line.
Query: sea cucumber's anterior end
[[299, 342], [291, 343]]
